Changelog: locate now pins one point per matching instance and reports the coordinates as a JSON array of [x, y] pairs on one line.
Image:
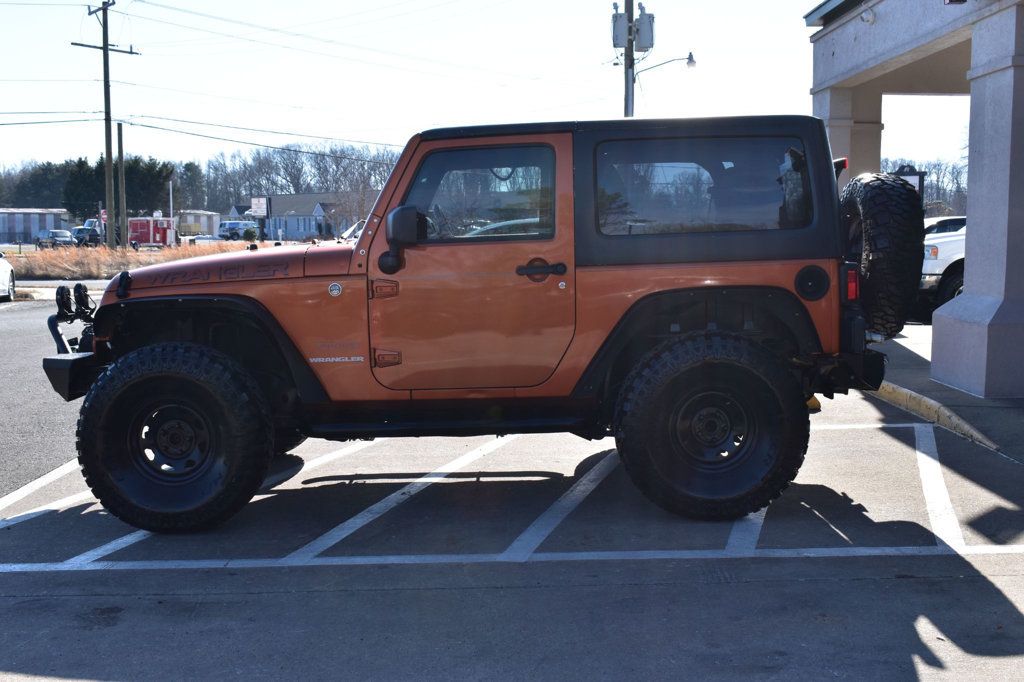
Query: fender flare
[[779, 303], [307, 385]]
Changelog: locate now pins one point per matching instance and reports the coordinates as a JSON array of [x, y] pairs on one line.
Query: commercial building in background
[[23, 225], [193, 222], [865, 50]]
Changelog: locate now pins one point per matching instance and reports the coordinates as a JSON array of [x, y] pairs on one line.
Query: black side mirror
[[403, 226], [402, 231]]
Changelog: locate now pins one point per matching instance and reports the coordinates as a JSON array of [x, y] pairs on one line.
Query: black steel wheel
[[711, 426], [174, 437]]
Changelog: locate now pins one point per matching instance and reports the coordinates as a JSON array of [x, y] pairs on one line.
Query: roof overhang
[[830, 10]]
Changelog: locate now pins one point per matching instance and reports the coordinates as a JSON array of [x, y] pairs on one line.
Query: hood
[[946, 237], [281, 262], [275, 262]]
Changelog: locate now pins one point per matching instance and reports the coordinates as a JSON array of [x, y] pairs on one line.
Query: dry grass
[[103, 263]]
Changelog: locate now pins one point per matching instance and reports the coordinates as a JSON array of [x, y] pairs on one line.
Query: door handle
[[533, 268]]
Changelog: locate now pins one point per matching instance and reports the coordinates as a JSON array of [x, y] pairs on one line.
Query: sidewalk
[[909, 367], [44, 289]]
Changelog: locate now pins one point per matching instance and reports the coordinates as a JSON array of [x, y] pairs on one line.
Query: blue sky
[[380, 72]]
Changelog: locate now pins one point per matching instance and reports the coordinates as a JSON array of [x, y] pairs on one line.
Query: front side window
[[686, 185], [493, 194]]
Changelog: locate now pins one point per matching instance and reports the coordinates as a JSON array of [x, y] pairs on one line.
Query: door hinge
[[384, 288], [386, 358]]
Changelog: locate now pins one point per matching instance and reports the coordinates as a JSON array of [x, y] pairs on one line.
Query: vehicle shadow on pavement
[[885, 611]]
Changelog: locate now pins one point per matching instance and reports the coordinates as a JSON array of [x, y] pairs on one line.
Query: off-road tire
[[951, 285], [884, 220], [691, 399], [174, 437]]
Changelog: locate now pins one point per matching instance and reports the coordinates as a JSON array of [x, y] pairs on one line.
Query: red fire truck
[[152, 231]]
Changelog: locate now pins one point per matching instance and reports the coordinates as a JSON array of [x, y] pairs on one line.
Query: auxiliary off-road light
[[84, 305], [65, 307]]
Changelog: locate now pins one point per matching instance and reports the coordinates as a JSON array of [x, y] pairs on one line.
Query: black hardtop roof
[[724, 124]]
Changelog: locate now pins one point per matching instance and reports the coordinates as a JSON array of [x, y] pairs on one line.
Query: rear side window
[[684, 185], [492, 194]]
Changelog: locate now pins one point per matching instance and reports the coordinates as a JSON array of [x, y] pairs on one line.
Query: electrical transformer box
[[620, 30], [644, 38]]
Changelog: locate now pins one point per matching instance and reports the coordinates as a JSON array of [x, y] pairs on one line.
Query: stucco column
[[853, 118], [978, 337]]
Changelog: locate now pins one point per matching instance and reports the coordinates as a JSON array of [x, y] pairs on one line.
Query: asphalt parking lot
[[897, 553]]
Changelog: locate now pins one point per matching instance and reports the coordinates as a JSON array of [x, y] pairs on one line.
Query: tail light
[[839, 165], [852, 290]]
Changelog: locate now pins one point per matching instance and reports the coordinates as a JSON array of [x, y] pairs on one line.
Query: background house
[[237, 212], [316, 215]]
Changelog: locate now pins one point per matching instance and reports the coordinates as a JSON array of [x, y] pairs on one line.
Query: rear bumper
[[839, 373], [71, 374]]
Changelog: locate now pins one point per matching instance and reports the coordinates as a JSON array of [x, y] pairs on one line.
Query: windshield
[[60, 233]]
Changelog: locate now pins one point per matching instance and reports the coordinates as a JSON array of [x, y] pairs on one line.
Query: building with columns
[[867, 48]]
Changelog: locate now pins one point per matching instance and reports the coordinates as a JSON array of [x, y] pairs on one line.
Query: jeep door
[[485, 296]]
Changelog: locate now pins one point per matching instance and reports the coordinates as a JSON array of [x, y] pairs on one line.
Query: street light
[[690, 63]]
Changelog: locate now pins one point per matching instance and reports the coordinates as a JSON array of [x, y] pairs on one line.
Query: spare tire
[[884, 219]]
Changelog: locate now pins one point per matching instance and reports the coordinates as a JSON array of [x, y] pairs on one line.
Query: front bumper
[[930, 282], [71, 374]]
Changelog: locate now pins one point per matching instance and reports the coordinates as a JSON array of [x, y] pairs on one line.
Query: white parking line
[[319, 462], [138, 536], [56, 505], [370, 514], [744, 534], [430, 559], [29, 488], [538, 531], [941, 515], [109, 548]]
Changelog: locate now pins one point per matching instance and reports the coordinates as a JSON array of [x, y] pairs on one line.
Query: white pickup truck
[[942, 273]]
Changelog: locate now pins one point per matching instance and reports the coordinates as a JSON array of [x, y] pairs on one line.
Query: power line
[[318, 22], [39, 123], [166, 89], [306, 36], [257, 144], [34, 113], [46, 4], [264, 130], [293, 48]]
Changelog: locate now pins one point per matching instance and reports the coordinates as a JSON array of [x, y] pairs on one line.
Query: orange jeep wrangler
[[685, 286]]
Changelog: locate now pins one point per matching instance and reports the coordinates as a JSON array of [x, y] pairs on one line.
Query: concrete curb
[[932, 411]]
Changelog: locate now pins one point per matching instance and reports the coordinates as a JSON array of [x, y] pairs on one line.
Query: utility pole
[[631, 34], [628, 61], [122, 212], [108, 168]]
